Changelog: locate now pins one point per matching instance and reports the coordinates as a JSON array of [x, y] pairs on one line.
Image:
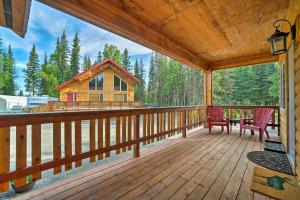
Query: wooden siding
[[293, 17], [82, 87]]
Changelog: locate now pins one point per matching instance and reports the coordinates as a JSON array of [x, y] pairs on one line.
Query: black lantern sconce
[[278, 39]]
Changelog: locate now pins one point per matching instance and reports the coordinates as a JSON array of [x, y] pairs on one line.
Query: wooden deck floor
[[202, 166]]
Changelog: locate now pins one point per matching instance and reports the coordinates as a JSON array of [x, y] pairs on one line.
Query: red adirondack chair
[[215, 117], [259, 122]]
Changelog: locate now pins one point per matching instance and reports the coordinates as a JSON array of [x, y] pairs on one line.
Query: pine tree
[[63, 59], [75, 57], [99, 58], [86, 63], [136, 73], [126, 60], [9, 68], [2, 73], [142, 85], [43, 82], [151, 90], [21, 93], [112, 52], [31, 72]]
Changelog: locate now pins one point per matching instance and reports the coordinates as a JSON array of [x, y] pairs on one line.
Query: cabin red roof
[[98, 65]]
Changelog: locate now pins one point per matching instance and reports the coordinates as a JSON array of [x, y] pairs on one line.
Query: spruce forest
[[168, 83]]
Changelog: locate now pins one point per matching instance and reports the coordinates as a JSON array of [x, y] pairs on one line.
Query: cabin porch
[[201, 166]]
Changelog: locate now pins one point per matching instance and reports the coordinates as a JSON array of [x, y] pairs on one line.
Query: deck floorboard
[[202, 166]]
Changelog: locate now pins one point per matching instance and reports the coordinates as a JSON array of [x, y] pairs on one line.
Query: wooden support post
[[208, 87], [207, 90], [136, 149], [184, 123], [4, 155]]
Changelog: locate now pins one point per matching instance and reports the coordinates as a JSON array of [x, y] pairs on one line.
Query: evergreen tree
[[86, 63], [136, 73], [112, 52], [43, 83], [99, 58], [126, 60], [142, 85], [63, 59], [31, 72], [9, 87], [151, 90], [21, 93], [75, 57]]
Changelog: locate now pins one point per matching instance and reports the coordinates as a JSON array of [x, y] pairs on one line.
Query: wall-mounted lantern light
[[278, 39]]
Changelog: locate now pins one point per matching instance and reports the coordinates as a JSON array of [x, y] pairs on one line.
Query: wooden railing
[[59, 106], [236, 112], [106, 131]]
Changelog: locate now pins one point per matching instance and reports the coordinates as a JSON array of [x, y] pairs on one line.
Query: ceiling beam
[[105, 15], [244, 61], [14, 15]]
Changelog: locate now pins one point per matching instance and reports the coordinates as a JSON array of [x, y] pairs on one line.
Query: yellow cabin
[[106, 81]]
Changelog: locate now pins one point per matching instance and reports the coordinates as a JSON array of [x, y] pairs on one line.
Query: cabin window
[[120, 97], [99, 82], [282, 87], [123, 86], [119, 84], [96, 83], [92, 84]]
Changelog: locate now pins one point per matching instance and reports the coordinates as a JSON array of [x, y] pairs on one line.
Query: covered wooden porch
[[202, 166]]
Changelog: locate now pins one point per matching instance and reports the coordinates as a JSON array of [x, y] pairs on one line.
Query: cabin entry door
[[291, 117], [71, 97]]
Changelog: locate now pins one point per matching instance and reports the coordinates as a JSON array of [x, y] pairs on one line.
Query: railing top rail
[[247, 107], [52, 117]]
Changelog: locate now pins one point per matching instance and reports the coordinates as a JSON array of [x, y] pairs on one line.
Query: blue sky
[[46, 24]]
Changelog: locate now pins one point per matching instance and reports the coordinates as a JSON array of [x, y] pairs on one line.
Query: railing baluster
[[148, 127], [157, 125], [129, 131], [152, 126], [184, 123], [169, 123], [68, 144], [21, 152], [92, 139], [144, 127], [124, 123], [78, 142], [107, 136], [36, 149], [57, 145], [4, 155], [118, 134], [136, 150], [100, 137]]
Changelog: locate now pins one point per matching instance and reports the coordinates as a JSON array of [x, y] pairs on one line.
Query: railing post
[[184, 124], [136, 149]]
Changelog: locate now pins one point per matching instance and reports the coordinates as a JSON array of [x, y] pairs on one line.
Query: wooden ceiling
[[14, 14], [210, 34]]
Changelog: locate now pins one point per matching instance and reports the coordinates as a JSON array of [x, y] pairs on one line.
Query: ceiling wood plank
[[107, 16], [244, 61]]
